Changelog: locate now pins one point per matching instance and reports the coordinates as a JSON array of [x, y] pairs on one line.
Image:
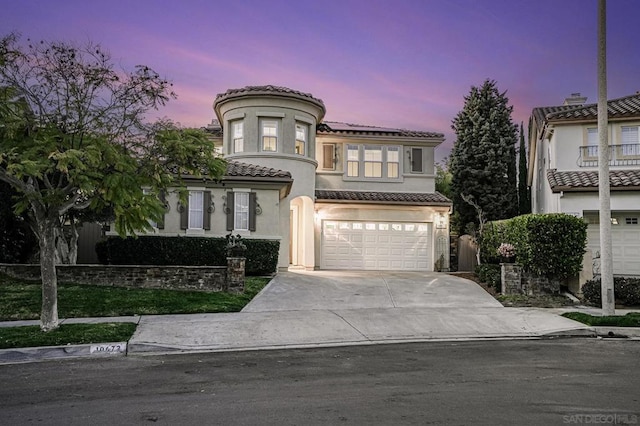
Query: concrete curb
[[622, 332], [98, 350]]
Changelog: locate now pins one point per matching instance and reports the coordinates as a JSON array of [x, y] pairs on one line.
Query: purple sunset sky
[[393, 63]]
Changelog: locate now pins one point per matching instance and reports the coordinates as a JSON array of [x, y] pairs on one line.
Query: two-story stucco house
[[336, 196], [563, 171]]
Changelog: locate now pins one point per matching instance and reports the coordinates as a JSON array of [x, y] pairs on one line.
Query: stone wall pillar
[[235, 273], [511, 278]]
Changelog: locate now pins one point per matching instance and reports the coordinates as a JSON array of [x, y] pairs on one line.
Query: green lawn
[[72, 334], [630, 320], [21, 300]]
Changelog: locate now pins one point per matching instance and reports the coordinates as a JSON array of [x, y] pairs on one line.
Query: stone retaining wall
[[516, 281], [202, 278]]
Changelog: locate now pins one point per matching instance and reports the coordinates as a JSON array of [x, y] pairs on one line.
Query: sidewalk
[[327, 309]]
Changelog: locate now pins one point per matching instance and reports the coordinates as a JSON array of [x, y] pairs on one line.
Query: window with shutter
[[196, 209], [242, 210]]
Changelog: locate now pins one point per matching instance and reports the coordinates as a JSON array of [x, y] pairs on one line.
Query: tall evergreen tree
[[524, 195], [483, 157]]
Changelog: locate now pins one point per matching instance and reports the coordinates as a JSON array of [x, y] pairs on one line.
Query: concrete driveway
[[337, 290], [329, 308]]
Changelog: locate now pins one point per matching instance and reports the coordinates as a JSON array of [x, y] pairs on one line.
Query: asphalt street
[[557, 381]]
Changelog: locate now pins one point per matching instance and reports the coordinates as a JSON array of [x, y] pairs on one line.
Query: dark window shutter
[[416, 160], [328, 156], [184, 215], [206, 216], [230, 211], [163, 200], [252, 211]]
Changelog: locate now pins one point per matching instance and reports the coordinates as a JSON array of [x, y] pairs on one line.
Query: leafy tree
[[443, 180], [524, 194], [482, 161], [73, 137]]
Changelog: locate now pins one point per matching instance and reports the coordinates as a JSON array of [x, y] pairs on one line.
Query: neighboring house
[[563, 171], [336, 196]]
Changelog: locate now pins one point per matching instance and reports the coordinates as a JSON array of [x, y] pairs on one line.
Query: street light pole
[[606, 255]]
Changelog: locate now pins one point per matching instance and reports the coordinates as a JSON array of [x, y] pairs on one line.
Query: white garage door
[[625, 241], [376, 245]]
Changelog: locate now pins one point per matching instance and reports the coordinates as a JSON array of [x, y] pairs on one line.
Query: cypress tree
[[524, 195], [483, 161]]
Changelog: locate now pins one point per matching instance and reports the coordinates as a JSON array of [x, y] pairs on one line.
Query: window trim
[[413, 150], [185, 210], [231, 210], [301, 142], [263, 124], [350, 163], [235, 139], [629, 150]]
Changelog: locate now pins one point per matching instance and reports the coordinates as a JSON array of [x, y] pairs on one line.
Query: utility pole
[[606, 255]]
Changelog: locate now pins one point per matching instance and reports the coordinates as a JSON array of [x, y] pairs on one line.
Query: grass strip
[[632, 319], [72, 334], [21, 300]]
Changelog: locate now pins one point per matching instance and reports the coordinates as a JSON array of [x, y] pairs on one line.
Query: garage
[[625, 239], [376, 245]]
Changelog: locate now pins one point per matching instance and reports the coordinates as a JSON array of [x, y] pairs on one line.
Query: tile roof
[[266, 90], [588, 180], [331, 127], [434, 198], [238, 169], [626, 107]]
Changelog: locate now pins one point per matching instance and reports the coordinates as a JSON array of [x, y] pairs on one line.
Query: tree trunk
[[73, 243], [62, 246], [47, 239]]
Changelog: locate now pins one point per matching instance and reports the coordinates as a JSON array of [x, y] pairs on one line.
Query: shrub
[[490, 274], [626, 291], [550, 245], [262, 255]]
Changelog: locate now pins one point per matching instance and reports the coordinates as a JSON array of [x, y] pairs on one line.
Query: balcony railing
[[619, 155]]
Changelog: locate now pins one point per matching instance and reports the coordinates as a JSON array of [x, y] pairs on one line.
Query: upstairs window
[[416, 160], [353, 159], [592, 142], [393, 162], [238, 136], [269, 135], [373, 162], [301, 139], [630, 140]]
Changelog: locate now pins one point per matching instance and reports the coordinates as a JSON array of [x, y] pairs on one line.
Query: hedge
[[550, 245], [262, 255], [626, 291]]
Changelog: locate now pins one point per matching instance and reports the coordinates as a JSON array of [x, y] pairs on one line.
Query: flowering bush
[[506, 250]]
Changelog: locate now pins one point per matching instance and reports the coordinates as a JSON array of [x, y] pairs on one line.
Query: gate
[[467, 250]]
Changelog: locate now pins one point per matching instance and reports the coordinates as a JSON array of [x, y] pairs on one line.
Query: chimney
[[575, 99]]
